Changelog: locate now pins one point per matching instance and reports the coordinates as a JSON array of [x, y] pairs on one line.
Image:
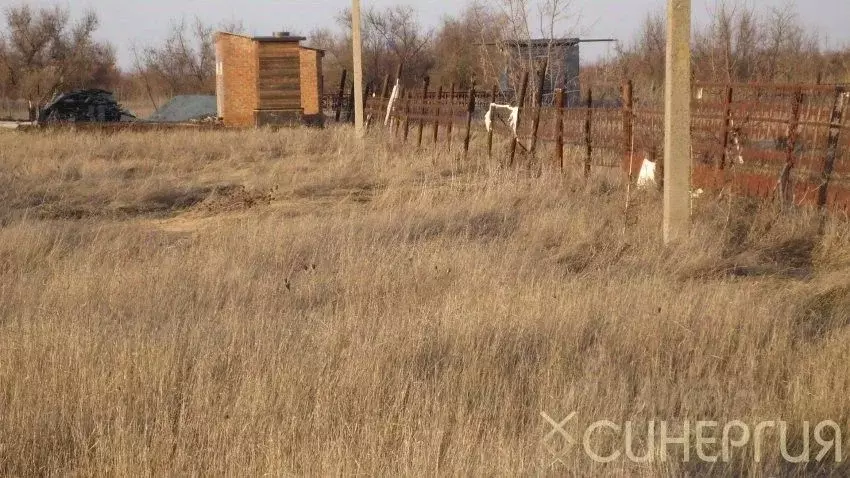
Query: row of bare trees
[[43, 50], [472, 45], [740, 43], [185, 61]]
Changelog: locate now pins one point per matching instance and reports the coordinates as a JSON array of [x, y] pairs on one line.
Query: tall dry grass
[[295, 303]]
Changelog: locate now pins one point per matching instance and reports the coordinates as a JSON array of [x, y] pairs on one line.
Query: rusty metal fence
[[788, 143]]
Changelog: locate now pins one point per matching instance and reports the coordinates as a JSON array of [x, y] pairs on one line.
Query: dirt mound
[[234, 198], [168, 202], [186, 108]]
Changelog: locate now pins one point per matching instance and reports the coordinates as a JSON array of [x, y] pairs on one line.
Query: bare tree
[[461, 44], [185, 61], [391, 36], [739, 44], [835, 66], [479, 43], [644, 57], [43, 51], [728, 48], [399, 31], [527, 38], [788, 49]]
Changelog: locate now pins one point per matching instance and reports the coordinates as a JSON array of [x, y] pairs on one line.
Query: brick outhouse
[[267, 80]]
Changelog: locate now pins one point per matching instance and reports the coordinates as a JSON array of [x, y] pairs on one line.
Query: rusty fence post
[[559, 128], [366, 105], [538, 104], [398, 111], [340, 96], [588, 134], [424, 111], [727, 125], [407, 116], [835, 125], [437, 107], [786, 192], [382, 102], [351, 105], [391, 123], [367, 92], [367, 110], [385, 90], [451, 124], [521, 101], [628, 128], [470, 111], [493, 94]]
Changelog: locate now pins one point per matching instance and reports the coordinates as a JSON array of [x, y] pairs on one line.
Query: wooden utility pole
[[358, 67], [677, 121]]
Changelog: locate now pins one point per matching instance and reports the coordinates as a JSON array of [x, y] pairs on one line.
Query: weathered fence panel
[[786, 143]]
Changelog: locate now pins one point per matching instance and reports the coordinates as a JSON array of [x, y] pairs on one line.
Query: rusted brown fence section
[[787, 143]]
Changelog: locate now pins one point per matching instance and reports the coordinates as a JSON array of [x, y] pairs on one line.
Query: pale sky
[[128, 22]]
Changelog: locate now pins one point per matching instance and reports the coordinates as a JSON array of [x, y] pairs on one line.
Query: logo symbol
[[558, 435]]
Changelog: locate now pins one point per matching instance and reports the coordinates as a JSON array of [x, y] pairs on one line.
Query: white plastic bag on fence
[[488, 118], [646, 178]]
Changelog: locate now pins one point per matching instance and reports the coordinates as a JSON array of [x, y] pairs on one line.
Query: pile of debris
[[88, 106]]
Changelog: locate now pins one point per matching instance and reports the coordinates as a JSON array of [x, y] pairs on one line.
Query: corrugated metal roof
[[545, 42], [286, 39], [268, 39], [314, 49]]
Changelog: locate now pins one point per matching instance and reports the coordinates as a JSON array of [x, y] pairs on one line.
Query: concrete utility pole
[[677, 121], [358, 67]]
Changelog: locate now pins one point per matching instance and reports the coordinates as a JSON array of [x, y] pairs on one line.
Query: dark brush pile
[[89, 106]]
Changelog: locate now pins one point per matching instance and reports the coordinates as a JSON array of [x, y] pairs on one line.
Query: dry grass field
[[258, 303]]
